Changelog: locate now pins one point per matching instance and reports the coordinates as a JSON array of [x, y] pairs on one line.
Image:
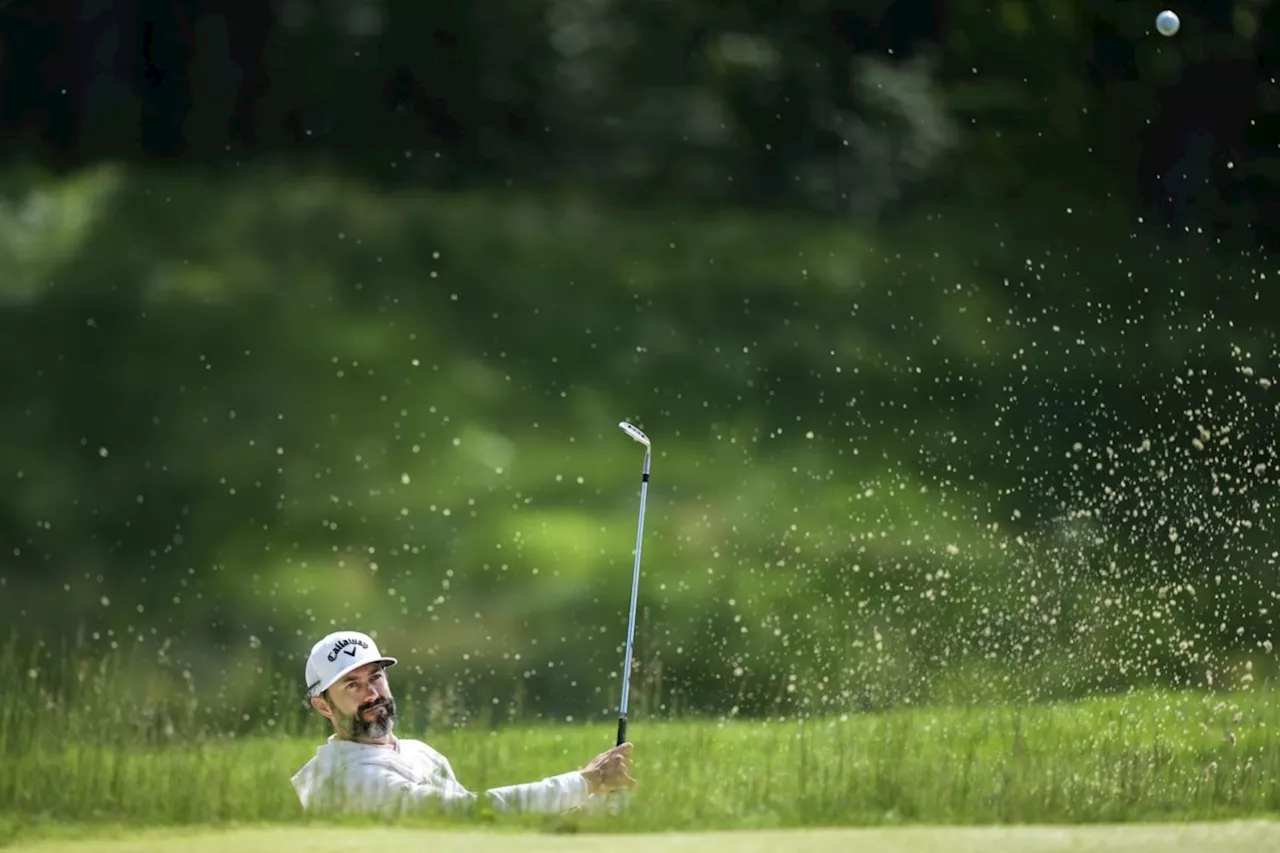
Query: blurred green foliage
[[951, 326], [894, 463]]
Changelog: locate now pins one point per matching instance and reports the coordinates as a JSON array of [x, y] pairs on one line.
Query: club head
[[635, 433]]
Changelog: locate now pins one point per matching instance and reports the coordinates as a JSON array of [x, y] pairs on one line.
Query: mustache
[[374, 719]]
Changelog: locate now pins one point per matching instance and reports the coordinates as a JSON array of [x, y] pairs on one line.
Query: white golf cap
[[339, 653]]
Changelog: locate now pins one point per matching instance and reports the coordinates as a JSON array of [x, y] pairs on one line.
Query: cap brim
[[385, 661]]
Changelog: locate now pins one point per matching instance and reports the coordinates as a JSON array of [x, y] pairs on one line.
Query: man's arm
[[552, 794], [376, 788]]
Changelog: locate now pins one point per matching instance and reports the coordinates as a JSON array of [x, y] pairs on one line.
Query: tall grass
[[88, 751]]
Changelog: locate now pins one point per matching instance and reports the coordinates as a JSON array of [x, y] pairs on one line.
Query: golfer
[[364, 767]]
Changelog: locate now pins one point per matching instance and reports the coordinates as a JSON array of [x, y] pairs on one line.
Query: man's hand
[[610, 770]]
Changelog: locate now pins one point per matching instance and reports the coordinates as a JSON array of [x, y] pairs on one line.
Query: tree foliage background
[[951, 323]]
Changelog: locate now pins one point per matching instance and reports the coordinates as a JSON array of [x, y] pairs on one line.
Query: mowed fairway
[[1235, 837]]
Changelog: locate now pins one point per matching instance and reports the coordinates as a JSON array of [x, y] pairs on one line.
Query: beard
[[374, 720]]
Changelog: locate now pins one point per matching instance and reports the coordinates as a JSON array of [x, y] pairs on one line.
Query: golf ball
[[1167, 23]]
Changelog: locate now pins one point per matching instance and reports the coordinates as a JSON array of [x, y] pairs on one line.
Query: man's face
[[360, 704]]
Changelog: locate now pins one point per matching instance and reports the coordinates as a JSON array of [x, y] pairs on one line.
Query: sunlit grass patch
[[1226, 837], [1149, 756]]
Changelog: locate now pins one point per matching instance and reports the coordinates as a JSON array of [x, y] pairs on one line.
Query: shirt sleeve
[[376, 788], [552, 794]]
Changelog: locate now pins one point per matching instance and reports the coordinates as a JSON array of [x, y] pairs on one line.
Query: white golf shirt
[[345, 776]]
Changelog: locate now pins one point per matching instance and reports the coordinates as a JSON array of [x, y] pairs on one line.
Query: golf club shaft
[[631, 621]]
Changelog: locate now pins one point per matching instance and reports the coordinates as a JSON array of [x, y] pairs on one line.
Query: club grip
[[622, 730]]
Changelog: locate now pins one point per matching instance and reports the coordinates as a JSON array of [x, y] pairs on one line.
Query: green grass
[[1202, 838], [1142, 757]]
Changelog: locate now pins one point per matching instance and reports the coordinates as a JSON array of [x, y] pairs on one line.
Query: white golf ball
[[1167, 23]]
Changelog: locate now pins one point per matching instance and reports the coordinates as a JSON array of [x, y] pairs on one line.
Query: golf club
[[639, 436]]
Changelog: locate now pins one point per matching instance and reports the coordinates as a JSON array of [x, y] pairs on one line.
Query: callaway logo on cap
[[337, 654]]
